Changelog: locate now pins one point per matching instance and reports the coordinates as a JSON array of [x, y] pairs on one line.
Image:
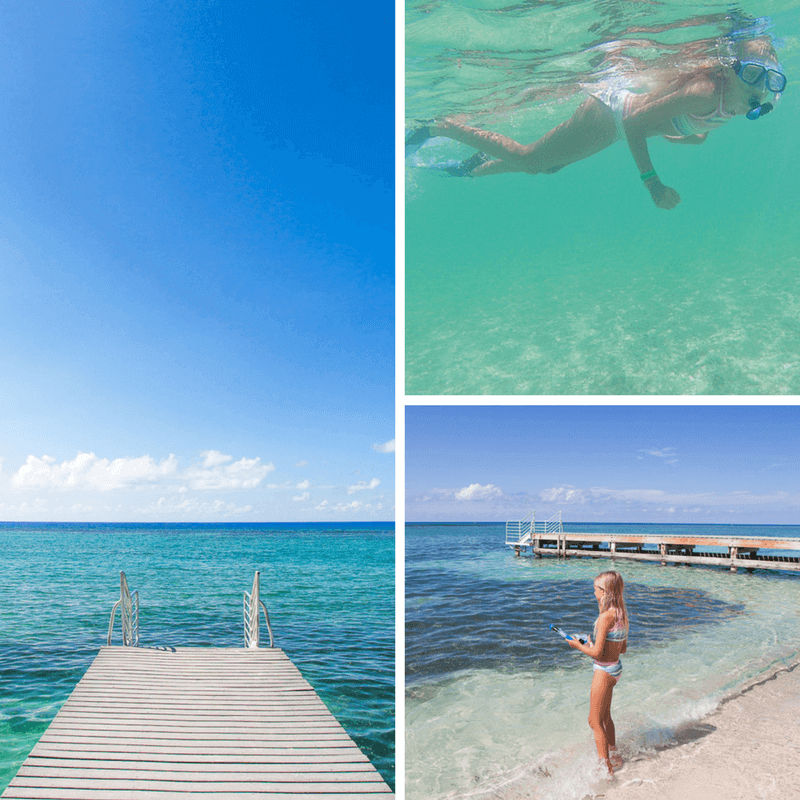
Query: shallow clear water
[[496, 704], [575, 283], [329, 591]]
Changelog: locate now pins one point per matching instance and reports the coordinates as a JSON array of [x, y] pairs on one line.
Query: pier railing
[[252, 604], [523, 531], [128, 605], [737, 552]]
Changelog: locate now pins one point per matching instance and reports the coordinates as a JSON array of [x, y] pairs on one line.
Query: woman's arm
[[654, 116], [695, 138], [595, 649]]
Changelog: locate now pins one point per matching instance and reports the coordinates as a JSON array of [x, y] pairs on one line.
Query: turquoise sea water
[[497, 704], [575, 283], [329, 590]]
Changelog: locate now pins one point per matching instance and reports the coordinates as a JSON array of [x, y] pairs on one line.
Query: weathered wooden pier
[[549, 538], [192, 722]]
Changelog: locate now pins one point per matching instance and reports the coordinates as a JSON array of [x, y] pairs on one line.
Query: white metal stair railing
[[252, 603], [129, 614], [518, 531], [523, 531]]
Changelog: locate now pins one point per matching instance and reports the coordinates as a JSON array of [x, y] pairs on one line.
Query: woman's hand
[[578, 646], [663, 196]]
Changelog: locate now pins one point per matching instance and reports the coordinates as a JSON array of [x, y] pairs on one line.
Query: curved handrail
[[251, 604], [128, 604]]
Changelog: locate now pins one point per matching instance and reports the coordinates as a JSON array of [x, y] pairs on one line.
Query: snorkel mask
[[752, 73]]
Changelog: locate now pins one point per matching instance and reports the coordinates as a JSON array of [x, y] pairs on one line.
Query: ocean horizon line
[[613, 522], [288, 525]]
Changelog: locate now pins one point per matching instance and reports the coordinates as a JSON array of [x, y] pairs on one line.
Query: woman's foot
[[417, 137], [465, 168], [615, 758]]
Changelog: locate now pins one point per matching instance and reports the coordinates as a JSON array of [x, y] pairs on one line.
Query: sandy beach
[[748, 748]]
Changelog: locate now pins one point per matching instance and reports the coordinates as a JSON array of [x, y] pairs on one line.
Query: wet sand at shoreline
[[748, 748]]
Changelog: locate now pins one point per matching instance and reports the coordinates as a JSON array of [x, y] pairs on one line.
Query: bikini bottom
[[613, 668], [618, 102]]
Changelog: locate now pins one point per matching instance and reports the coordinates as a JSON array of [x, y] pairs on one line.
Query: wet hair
[[613, 586], [761, 48]]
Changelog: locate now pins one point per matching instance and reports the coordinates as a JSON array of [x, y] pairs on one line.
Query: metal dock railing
[[739, 552], [195, 722]]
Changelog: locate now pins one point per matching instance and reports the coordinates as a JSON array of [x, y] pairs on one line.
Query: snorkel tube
[[738, 42], [756, 112]]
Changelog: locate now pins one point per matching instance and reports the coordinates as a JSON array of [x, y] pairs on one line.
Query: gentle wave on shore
[[498, 707]]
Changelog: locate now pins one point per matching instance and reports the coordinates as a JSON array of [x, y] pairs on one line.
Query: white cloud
[[603, 496], [322, 506], [194, 507], [284, 485], [354, 506], [216, 473], [386, 447], [303, 484], [667, 453], [300, 497], [301, 464], [362, 486], [477, 492], [87, 471], [213, 458]]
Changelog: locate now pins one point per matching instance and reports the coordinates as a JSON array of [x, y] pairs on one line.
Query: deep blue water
[[329, 590]]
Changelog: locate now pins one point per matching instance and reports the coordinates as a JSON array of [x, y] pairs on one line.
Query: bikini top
[[688, 124], [618, 633]]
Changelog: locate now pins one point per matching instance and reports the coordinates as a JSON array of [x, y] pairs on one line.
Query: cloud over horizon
[[87, 471], [492, 502]]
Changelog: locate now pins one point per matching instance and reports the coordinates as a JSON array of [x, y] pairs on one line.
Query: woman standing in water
[[608, 642], [685, 103]]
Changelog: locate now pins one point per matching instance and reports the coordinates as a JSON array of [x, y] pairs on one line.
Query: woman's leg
[[611, 737], [600, 713], [588, 131]]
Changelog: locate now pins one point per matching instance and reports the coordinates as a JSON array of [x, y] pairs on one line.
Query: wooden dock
[[740, 552], [190, 722]]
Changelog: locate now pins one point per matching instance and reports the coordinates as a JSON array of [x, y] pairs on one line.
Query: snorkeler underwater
[[681, 96], [558, 242]]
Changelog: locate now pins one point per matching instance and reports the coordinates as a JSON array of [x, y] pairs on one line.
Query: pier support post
[[516, 550], [734, 555], [663, 548], [613, 549]]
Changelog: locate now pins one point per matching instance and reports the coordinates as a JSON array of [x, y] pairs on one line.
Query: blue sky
[[695, 464], [197, 252]]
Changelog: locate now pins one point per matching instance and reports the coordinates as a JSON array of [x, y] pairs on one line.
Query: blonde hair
[[613, 586]]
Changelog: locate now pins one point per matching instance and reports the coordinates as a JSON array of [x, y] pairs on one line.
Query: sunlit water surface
[[497, 704], [575, 283], [329, 590]]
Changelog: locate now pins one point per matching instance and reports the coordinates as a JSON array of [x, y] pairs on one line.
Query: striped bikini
[[690, 124], [617, 634]]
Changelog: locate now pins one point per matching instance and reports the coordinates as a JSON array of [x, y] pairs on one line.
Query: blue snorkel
[[759, 111], [752, 73]]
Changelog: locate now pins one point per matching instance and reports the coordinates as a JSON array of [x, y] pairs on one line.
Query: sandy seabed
[[748, 748]]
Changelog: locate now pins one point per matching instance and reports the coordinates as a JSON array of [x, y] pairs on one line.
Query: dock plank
[[182, 723]]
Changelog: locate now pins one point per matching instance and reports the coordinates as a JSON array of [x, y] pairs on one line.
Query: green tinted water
[[575, 283]]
